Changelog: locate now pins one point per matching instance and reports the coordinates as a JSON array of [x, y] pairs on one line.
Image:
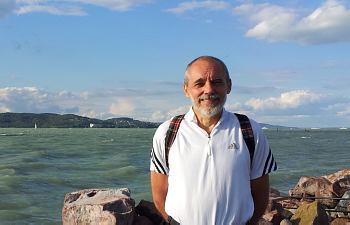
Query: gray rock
[[98, 206], [343, 205]]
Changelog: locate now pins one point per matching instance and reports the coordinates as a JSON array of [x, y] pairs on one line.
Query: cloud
[[208, 4], [6, 7], [286, 100], [32, 99], [122, 107], [326, 24], [69, 7], [54, 10]]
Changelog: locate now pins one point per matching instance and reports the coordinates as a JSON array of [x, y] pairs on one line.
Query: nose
[[208, 88]]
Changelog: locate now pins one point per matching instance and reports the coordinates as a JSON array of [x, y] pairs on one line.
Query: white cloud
[[70, 7], [193, 5], [122, 107], [3, 109], [287, 100], [118, 5], [326, 24], [32, 99], [55, 10]]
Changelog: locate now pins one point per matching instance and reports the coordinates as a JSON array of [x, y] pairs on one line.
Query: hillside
[[51, 120]]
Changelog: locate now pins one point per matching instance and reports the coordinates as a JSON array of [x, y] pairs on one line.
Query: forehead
[[204, 68]]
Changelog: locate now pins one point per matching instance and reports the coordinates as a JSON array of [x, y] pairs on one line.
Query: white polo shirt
[[209, 175]]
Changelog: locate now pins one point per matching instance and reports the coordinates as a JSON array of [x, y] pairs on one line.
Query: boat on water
[[35, 126], [343, 128]]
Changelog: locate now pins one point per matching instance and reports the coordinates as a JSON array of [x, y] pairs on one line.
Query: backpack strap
[[244, 122], [247, 133], [171, 135]]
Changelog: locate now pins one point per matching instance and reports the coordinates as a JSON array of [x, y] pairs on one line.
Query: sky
[[289, 60]]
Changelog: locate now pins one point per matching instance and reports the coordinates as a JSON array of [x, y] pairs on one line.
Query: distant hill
[[51, 120]]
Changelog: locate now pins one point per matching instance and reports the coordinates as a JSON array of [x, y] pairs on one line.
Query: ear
[[185, 89], [229, 86]]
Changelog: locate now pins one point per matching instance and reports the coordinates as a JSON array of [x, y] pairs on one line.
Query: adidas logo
[[233, 146]]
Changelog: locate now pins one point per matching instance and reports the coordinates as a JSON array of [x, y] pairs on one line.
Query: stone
[[274, 217], [340, 180], [274, 193], [340, 221], [290, 204], [263, 222], [142, 220], [344, 205], [345, 173], [98, 207], [310, 214], [148, 209], [319, 187], [285, 222]]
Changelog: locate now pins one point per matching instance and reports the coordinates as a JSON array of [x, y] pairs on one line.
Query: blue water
[[39, 166]]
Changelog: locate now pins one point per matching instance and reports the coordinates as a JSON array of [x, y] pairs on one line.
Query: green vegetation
[[51, 120]]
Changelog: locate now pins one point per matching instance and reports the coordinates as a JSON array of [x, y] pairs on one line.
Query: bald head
[[211, 59]]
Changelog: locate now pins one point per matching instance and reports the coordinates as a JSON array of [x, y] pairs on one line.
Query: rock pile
[[313, 201]]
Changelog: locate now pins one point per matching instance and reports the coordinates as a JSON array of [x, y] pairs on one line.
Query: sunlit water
[[39, 166]]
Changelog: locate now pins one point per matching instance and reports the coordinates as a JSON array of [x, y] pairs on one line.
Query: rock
[[274, 217], [98, 206], [290, 204], [340, 180], [142, 220], [148, 209], [264, 222], [338, 175], [315, 187], [340, 221], [344, 205], [285, 222], [273, 205], [274, 193], [310, 214]]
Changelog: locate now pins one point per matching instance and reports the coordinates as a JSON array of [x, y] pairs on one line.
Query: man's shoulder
[[163, 128], [233, 117]]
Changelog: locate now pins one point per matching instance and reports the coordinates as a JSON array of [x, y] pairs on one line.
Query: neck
[[207, 123]]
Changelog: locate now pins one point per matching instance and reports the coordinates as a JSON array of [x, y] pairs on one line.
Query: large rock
[[318, 187], [341, 221], [310, 214], [148, 209], [345, 173], [344, 205], [98, 207], [340, 181]]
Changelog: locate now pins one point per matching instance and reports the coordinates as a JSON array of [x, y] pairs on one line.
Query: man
[[210, 179]]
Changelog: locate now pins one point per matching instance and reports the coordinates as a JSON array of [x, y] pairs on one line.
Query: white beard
[[208, 113]]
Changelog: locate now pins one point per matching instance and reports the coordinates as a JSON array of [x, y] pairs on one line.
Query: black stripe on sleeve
[[271, 164], [157, 163], [267, 162], [157, 168]]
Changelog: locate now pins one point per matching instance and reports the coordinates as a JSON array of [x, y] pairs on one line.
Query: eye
[[217, 82], [199, 84]]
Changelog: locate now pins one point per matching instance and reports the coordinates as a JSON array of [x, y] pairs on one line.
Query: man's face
[[207, 87]]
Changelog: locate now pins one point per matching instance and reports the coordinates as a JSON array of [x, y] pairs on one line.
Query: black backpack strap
[[171, 135], [247, 133]]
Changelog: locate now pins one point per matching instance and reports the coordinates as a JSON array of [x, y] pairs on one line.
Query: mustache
[[209, 97]]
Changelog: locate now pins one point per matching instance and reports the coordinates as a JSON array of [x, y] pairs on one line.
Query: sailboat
[[35, 126]]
